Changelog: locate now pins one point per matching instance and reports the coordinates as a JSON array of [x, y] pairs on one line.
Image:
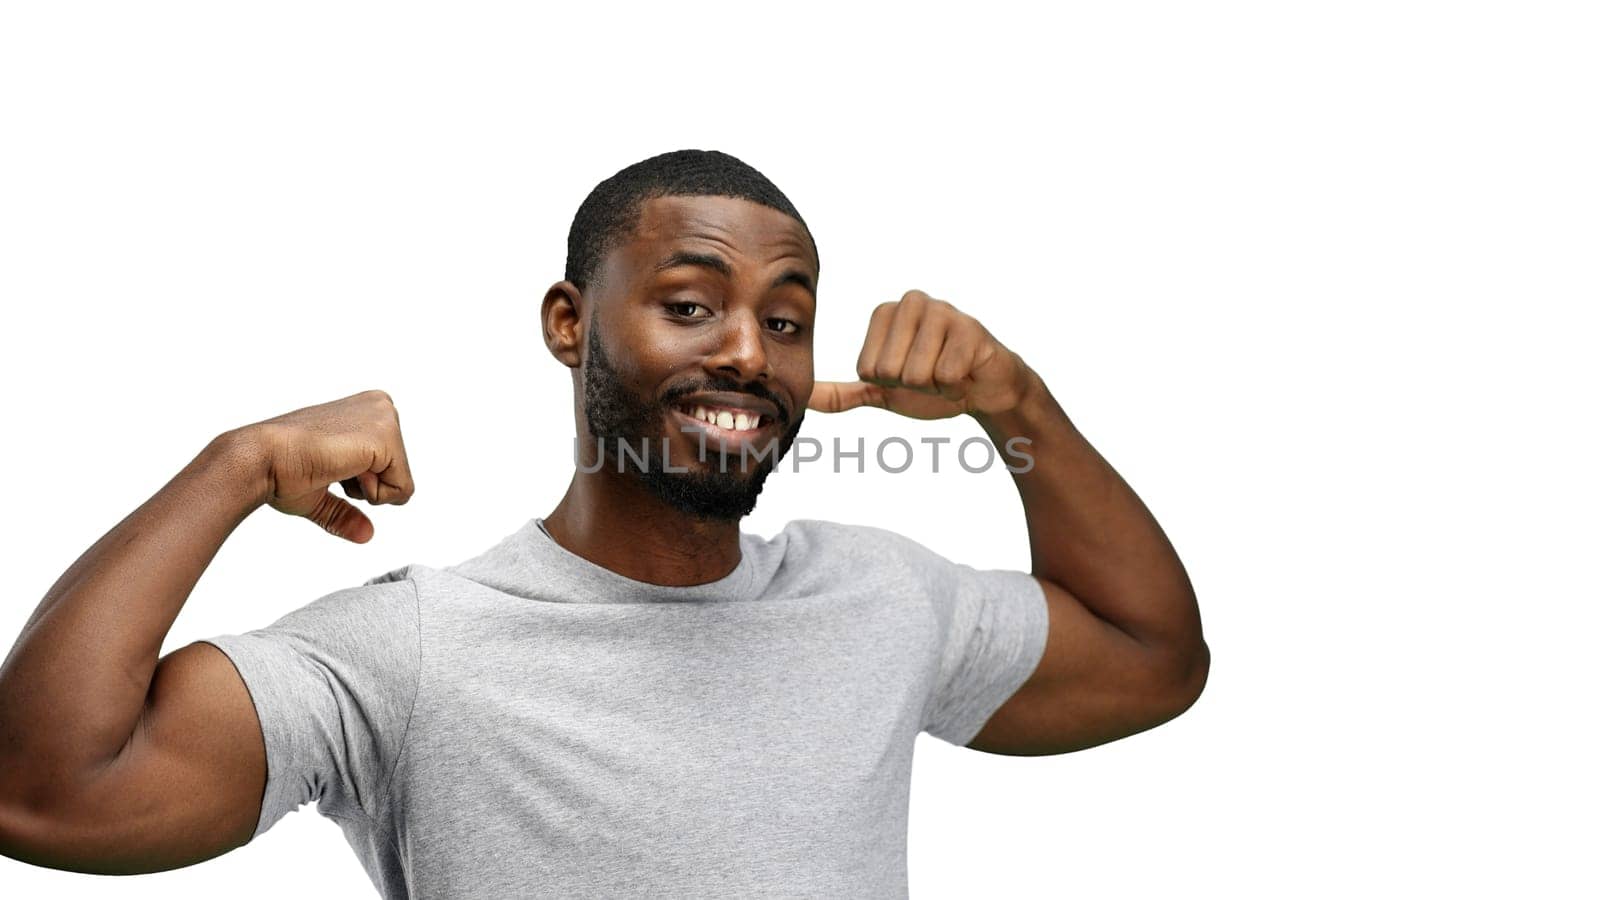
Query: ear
[[562, 319]]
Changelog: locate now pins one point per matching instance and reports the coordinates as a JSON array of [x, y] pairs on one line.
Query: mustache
[[729, 386]]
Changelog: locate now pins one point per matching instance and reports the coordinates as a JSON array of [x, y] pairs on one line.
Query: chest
[[667, 716]]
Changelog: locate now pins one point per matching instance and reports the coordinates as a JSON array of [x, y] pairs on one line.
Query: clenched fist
[[354, 441], [925, 359]]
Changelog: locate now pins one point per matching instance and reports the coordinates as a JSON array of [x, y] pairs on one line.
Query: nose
[[741, 349]]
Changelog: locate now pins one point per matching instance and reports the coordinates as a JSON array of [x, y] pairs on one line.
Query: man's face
[[709, 303]]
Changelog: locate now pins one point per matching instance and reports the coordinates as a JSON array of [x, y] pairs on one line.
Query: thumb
[[341, 519], [838, 396]]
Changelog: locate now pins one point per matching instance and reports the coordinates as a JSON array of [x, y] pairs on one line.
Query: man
[[629, 696]]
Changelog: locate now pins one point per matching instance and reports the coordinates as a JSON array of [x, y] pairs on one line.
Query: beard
[[617, 416]]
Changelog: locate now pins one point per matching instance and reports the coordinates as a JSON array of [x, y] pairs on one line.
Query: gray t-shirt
[[528, 723]]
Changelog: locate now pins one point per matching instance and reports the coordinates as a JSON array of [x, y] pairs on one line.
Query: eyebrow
[[795, 276], [719, 265], [703, 260]]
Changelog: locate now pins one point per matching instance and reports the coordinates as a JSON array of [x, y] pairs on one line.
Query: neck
[[610, 519]]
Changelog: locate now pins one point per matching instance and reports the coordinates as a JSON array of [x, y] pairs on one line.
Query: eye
[[682, 304], [794, 326]]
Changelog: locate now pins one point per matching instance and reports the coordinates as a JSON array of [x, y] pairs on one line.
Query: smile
[[737, 421], [728, 427]]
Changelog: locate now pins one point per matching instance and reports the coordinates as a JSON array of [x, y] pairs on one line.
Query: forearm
[[74, 685], [1089, 532]]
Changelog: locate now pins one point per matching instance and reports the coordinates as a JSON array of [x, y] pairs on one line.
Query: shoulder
[[384, 604], [867, 545], [828, 531]]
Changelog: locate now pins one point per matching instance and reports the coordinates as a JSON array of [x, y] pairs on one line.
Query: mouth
[[737, 427]]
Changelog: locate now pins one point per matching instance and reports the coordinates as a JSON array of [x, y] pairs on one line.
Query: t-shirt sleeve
[[333, 683], [990, 632]]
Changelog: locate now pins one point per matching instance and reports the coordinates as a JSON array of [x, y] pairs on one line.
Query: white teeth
[[734, 421]]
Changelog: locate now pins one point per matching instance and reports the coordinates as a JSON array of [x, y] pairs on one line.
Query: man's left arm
[[1124, 651]]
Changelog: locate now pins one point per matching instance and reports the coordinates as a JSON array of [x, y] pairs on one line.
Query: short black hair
[[611, 210]]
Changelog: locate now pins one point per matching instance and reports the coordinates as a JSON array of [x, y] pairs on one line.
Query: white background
[[1320, 282]]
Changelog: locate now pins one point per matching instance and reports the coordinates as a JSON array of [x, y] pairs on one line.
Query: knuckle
[[324, 512]]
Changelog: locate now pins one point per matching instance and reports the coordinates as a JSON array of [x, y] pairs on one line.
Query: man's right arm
[[186, 787], [115, 760]]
